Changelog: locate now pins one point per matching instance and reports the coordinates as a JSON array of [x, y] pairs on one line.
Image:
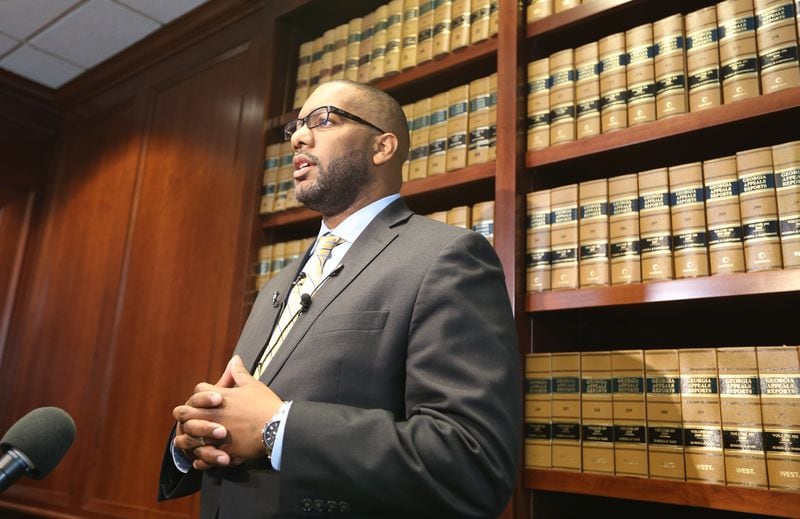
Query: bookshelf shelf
[[738, 499], [576, 15]]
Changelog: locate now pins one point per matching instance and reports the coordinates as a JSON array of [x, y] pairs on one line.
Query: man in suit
[[395, 389]]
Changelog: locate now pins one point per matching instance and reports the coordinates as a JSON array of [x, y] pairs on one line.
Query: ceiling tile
[[6, 44], [93, 32], [162, 10], [20, 18], [40, 67]]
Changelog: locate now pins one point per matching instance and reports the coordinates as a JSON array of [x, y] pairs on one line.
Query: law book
[[687, 207], [786, 160], [394, 37], [442, 23], [326, 62], [664, 415], [365, 47], [564, 237], [759, 207], [566, 410], [655, 226], [460, 216], [264, 266], [437, 135], [494, 17], [316, 62], [640, 75], [278, 257], [563, 5], [339, 51], [479, 20], [702, 424], [479, 126], [418, 165], [613, 82], [538, 9], [776, 38], [538, 411], [284, 193], [293, 250], [737, 50], [461, 11], [457, 127], [483, 219], [538, 241], [630, 414], [702, 59], [408, 53], [538, 126], [587, 91], [269, 183], [740, 408], [377, 60], [597, 412], [493, 116], [353, 52], [779, 380], [623, 229], [408, 110], [439, 216], [303, 74], [723, 217], [425, 31], [562, 97], [670, 67], [593, 233]]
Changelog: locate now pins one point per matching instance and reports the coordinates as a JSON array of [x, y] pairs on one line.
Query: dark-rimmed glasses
[[320, 116]]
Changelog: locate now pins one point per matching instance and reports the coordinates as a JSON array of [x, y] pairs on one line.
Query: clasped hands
[[220, 424]]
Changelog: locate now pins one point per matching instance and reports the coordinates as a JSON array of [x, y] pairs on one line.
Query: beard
[[338, 185]]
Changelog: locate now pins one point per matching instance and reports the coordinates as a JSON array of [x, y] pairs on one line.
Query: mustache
[[310, 156]]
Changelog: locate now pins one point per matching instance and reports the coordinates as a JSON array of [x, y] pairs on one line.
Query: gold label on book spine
[[758, 205], [702, 59], [737, 50], [777, 45], [640, 72]]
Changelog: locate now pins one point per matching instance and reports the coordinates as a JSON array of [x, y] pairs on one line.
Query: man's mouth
[[302, 165]]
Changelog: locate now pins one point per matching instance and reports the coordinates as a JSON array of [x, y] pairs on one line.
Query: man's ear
[[384, 149]]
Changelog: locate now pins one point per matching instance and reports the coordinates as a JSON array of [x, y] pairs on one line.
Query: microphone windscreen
[[44, 435]]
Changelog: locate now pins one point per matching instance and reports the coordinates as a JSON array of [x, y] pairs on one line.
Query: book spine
[[655, 225], [408, 53], [562, 97], [538, 241], [457, 127], [563, 5], [630, 414], [479, 20], [538, 127], [394, 37], [640, 75], [564, 237], [353, 52], [690, 252], [408, 110], [493, 116], [494, 17], [479, 127], [786, 158], [284, 195], [418, 167], [538, 9], [664, 416], [759, 208], [460, 216], [670, 67], [269, 184], [613, 82], [442, 24], [597, 412], [264, 266], [776, 35], [278, 257], [425, 31], [587, 91], [316, 63], [593, 233], [483, 220], [723, 217], [460, 25], [365, 48], [538, 413], [623, 229], [566, 411], [737, 50], [377, 61], [303, 74], [702, 59], [339, 51], [437, 135], [326, 61]]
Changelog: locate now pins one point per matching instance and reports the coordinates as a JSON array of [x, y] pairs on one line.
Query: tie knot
[[326, 244]]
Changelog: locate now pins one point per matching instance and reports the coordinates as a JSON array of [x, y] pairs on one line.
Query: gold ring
[[202, 441]]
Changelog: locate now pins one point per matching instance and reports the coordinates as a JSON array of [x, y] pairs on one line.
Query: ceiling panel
[[40, 67], [162, 10], [21, 18]]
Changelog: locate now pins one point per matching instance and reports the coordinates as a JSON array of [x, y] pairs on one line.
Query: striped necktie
[[307, 284]]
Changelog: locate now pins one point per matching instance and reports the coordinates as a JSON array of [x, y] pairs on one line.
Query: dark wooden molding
[[25, 103]]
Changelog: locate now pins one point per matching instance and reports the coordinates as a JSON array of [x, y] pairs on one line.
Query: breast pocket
[[353, 321]]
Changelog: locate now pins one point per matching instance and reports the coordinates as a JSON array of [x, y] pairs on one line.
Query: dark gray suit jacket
[[406, 385]]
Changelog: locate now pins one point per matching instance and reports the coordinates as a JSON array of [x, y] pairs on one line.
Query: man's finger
[[240, 373], [209, 456]]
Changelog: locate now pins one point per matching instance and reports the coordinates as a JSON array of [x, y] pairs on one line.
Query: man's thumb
[[241, 376]]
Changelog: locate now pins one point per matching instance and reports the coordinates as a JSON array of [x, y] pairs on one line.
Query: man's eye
[[325, 122]]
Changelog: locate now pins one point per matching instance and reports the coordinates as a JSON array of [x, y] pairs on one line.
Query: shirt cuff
[[182, 463], [277, 449]]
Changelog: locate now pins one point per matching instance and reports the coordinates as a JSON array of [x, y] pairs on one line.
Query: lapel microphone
[[275, 299], [305, 303]]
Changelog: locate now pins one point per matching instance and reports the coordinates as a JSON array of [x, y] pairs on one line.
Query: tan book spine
[[339, 51], [483, 220], [377, 62], [437, 135], [353, 52], [786, 159], [779, 378], [425, 31], [740, 408], [776, 36], [461, 12], [538, 241], [293, 250], [630, 414], [563, 5], [587, 91], [593, 233], [439, 216], [278, 257], [442, 23], [759, 207], [479, 99], [623, 229], [597, 412], [494, 17], [326, 62], [408, 110], [303, 74], [460, 216], [538, 9], [613, 82], [264, 266], [655, 225], [702, 425], [457, 127], [687, 207], [394, 37], [479, 20], [408, 53], [538, 126], [664, 415], [365, 48], [737, 50], [702, 59], [723, 217], [316, 63], [562, 97], [418, 167], [284, 194], [640, 75], [566, 411], [493, 116], [269, 185], [670, 67], [538, 411], [564, 237]]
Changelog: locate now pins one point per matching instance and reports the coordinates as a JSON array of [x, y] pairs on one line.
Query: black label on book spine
[[537, 259], [566, 431], [699, 385], [790, 227], [655, 244], [629, 385], [537, 386], [538, 120], [456, 140], [743, 440], [739, 386], [625, 248], [787, 178], [614, 99], [739, 67], [690, 240], [587, 108], [596, 386], [643, 92], [785, 442], [564, 256], [704, 78], [537, 431], [566, 385], [597, 250], [670, 83], [664, 385], [725, 235], [706, 438], [598, 433], [763, 229], [778, 57], [670, 436], [630, 434]]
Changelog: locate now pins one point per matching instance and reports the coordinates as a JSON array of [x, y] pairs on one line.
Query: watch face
[[270, 431]]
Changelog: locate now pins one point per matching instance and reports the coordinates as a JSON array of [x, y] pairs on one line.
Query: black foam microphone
[[305, 303], [35, 444]]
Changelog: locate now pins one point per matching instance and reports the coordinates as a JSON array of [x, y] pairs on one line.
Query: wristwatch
[[268, 434]]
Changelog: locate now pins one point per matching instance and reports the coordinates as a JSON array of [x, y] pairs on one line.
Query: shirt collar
[[352, 226]]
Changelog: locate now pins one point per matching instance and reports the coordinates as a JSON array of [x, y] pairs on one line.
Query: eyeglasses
[[320, 116]]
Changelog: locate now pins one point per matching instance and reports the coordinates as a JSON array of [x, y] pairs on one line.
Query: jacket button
[[306, 505], [319, 505], [344, 506], [332, 505]]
